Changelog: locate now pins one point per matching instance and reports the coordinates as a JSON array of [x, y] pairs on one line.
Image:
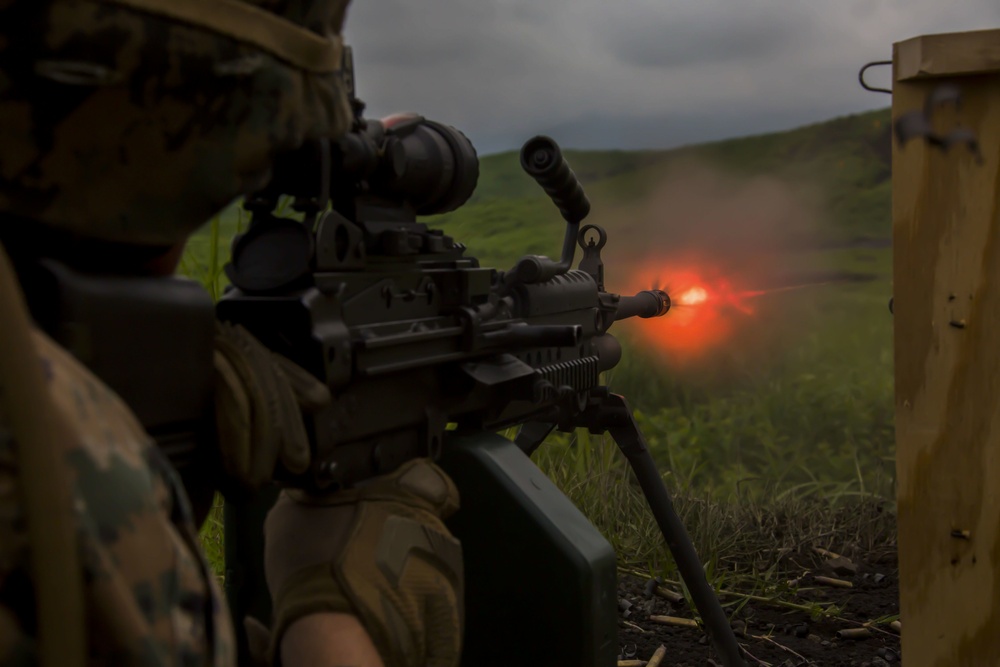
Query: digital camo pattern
[[151, 599], [129, 127]]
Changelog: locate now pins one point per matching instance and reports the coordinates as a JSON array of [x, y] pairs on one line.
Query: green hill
[[793, 414], [801, 398], [847, 159]]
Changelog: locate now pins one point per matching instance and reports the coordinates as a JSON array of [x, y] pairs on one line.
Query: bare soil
[[771, 634]]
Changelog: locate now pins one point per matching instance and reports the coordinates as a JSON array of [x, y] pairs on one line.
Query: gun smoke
[[731, 251]]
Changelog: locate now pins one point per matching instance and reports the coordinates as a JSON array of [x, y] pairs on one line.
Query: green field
[[778, 439]]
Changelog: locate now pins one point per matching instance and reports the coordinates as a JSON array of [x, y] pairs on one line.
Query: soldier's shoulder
[[139, 550], [104, 426]]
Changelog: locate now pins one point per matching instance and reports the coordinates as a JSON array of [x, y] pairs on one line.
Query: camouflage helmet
[[134, 121]]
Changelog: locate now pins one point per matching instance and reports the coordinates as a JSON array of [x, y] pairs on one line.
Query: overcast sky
[[634, 73]]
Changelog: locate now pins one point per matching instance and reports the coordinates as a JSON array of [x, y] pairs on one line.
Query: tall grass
[[203, 261], [746, 540], [779, 443], [763, 459]]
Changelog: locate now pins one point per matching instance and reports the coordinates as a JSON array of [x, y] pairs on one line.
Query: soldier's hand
[[381, 553], [259, 400]]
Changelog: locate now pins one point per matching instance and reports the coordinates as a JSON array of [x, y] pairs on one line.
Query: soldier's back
[[150, 596]]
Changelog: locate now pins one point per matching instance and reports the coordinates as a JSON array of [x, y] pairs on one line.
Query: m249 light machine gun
[[411, 335]]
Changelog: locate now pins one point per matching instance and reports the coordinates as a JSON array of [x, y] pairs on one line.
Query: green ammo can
[[540, 580]]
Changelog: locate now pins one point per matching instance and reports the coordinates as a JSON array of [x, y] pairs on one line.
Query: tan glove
[[380, 552], [259, 400]]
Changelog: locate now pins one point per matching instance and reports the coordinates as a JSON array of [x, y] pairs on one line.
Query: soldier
[[124, 125]]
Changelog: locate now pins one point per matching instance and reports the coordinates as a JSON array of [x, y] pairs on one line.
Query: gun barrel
[[648, 303]]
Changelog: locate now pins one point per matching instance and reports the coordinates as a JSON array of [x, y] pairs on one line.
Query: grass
[[748, 538], [779, 443]]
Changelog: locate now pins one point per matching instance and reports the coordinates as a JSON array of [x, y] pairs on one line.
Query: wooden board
[[951, 54], [946, 288]]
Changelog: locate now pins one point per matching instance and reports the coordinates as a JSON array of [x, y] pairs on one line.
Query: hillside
[[810, 368], [846, 160], [769, 411], [745, 216]]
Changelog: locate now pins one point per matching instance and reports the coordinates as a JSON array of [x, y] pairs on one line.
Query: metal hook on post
[[864, 84]]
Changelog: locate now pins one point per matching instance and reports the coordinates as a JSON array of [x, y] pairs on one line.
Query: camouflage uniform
[[127, 123], [150, 597], [132, 122], [196, 116]]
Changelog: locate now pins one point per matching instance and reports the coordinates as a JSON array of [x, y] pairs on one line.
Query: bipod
[[611, 413]]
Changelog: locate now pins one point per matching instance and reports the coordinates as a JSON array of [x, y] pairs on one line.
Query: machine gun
[[428, 354]]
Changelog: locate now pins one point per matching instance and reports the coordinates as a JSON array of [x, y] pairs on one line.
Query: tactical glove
[[259, 400], [380, 552]]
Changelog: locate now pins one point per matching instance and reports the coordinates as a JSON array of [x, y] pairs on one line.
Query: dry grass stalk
[[636, 627], [830, 581]]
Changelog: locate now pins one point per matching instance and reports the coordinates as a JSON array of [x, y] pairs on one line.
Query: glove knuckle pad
[[403, 538]]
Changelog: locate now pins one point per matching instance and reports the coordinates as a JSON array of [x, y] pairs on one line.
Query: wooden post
[[946, 288]]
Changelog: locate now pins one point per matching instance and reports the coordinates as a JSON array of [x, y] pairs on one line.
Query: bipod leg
[[531, 435], [617, 419]]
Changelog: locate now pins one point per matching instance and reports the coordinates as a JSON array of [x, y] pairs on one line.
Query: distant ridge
[[848, 157]]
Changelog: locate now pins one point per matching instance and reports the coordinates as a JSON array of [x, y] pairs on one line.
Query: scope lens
[[435, 167]]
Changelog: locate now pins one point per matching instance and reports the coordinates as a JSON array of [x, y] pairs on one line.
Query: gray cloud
[[634, 73], [690, 33], [400, 36]]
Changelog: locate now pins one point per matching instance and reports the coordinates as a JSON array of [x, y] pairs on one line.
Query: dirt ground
[[773, 635]]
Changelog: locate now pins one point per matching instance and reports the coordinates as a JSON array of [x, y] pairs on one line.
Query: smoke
[[742, 223], [738, 239]]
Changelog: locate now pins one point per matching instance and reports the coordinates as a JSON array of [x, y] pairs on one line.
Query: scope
[[432, 166], [404, 159]]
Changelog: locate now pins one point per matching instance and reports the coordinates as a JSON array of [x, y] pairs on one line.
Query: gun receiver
[[412, 335], [389, 312]]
